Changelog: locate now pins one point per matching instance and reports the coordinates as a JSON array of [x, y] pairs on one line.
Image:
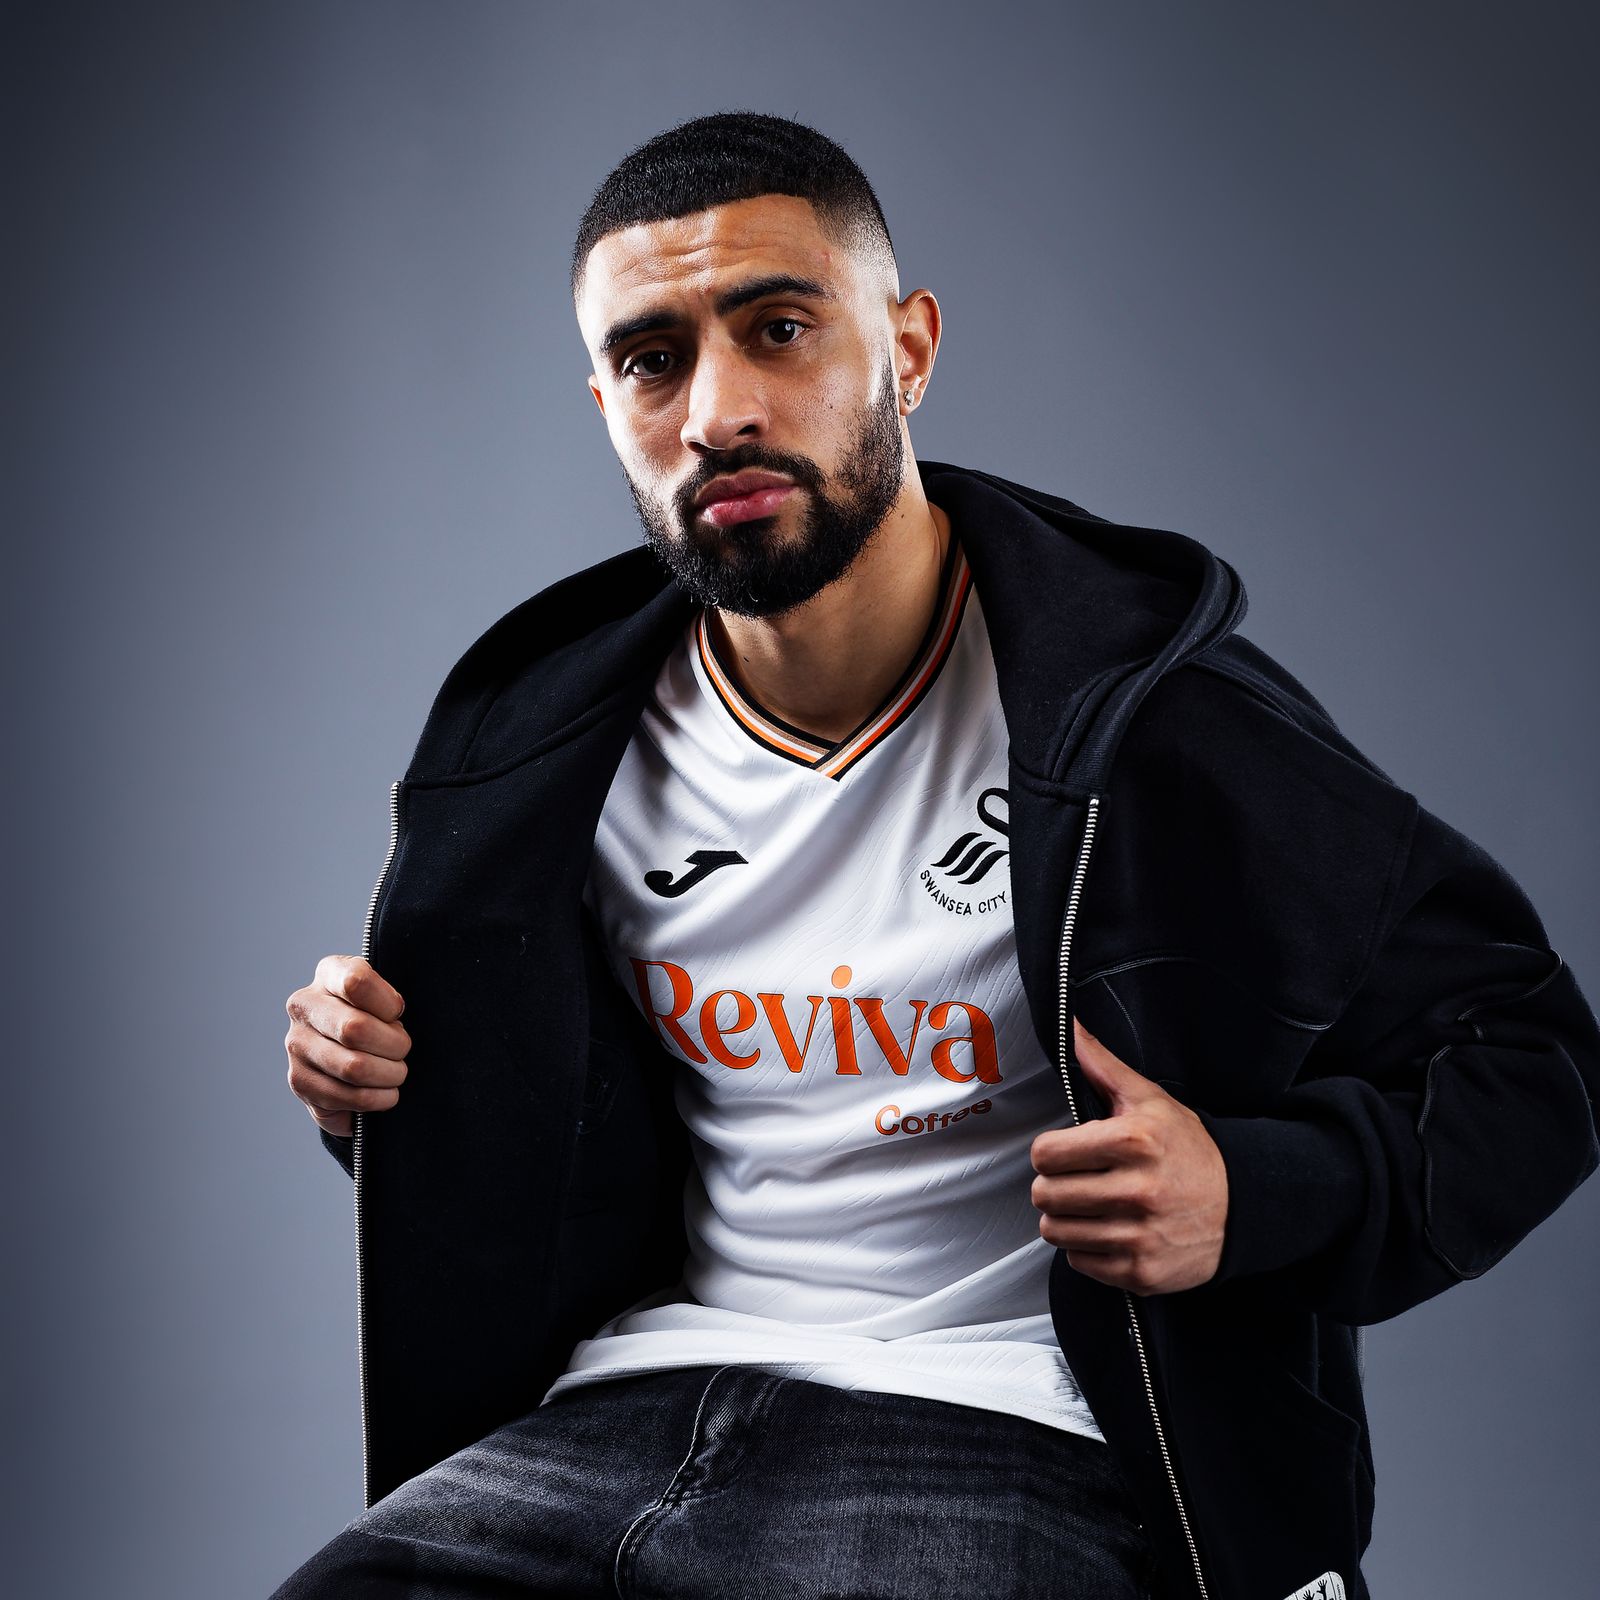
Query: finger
[[1096, 1146], [342, 1123], [355, 1067], [1107, 1194], [348, 1025], [352, 978], [1121, 1269], [321, 1092], [1092, 1235], [1108, 1072]]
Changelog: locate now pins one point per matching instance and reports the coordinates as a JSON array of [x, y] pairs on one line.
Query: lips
[[742, 496], [745, 507]]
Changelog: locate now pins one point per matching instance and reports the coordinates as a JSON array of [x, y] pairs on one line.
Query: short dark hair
[[733, 155]]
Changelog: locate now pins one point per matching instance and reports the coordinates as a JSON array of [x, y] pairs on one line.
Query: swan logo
[[973, 856]]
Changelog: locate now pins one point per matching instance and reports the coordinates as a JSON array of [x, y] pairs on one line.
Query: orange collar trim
[[834, 760]]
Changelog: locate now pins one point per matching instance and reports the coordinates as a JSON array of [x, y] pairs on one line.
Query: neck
[[829, 664]]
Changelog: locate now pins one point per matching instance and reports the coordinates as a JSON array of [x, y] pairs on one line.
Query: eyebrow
[[741, 294]]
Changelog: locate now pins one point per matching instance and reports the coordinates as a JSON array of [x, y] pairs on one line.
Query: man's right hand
[[346, 1047]]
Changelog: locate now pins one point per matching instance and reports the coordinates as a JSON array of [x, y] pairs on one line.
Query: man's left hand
[[1137, 1198]]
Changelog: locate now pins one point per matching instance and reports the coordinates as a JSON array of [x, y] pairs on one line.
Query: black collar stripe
[[834, 760]]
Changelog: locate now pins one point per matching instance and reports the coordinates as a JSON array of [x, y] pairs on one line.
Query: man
[[927, 1044]]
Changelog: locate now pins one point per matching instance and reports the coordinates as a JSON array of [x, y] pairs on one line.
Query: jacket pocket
[[1192, 1026], [1311, 1411], [1273, 1464], [1277, 1487]]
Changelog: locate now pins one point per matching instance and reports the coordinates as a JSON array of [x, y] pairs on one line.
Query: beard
[[749, 568]]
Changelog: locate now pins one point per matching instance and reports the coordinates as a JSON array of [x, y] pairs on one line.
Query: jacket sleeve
[[341, 1149], [1448, 1110]]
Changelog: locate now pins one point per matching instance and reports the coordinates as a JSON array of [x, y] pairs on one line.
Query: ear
[[599, 399], [916, 339]]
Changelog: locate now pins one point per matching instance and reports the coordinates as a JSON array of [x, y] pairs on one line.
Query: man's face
[[744, 339]]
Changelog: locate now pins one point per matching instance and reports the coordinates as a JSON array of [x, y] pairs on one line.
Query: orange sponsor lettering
[[717, 1034], [794, 1058], [844, 1030], [878, 1026], [682, 999], [844, 1035], [985, 1056], [711, 1031], [889, 1119]]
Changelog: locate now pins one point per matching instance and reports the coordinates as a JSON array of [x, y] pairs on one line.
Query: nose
[[725, 401]]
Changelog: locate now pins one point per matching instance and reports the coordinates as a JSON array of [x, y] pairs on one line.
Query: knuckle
[[354, 1067], [340, 975], [1045, 1151], [1139, 1275], [1139, 1138], [301, 1087], [1103, 1268]]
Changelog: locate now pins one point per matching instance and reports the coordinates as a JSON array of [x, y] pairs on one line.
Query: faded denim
[[736, 1484]]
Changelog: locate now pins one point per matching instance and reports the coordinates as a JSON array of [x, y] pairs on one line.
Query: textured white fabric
[[857, 1069]]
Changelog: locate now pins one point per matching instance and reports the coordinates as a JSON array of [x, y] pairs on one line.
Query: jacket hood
[[1084, 616]]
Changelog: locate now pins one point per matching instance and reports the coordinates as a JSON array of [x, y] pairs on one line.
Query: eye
[[787, 322], [632, 366]]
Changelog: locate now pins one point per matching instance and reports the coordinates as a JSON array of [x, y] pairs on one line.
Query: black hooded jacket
[[1359, 1003]]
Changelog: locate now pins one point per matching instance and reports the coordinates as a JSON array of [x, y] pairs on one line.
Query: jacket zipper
[[357, 1121], [1065, 1025]]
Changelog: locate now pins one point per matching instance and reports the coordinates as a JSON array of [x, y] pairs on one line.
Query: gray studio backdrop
[[297, 406]]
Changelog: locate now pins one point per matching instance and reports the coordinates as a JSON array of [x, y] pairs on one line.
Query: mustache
[[748, 457]]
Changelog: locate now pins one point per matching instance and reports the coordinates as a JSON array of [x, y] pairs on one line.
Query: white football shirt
[[821, 937]]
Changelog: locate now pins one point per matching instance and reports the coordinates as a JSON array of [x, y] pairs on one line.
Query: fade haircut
[[735, 155]]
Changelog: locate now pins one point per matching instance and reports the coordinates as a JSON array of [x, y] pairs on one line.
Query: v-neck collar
[[834, 760]]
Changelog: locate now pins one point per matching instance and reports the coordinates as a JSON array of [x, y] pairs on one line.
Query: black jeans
[[704, 1483]]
